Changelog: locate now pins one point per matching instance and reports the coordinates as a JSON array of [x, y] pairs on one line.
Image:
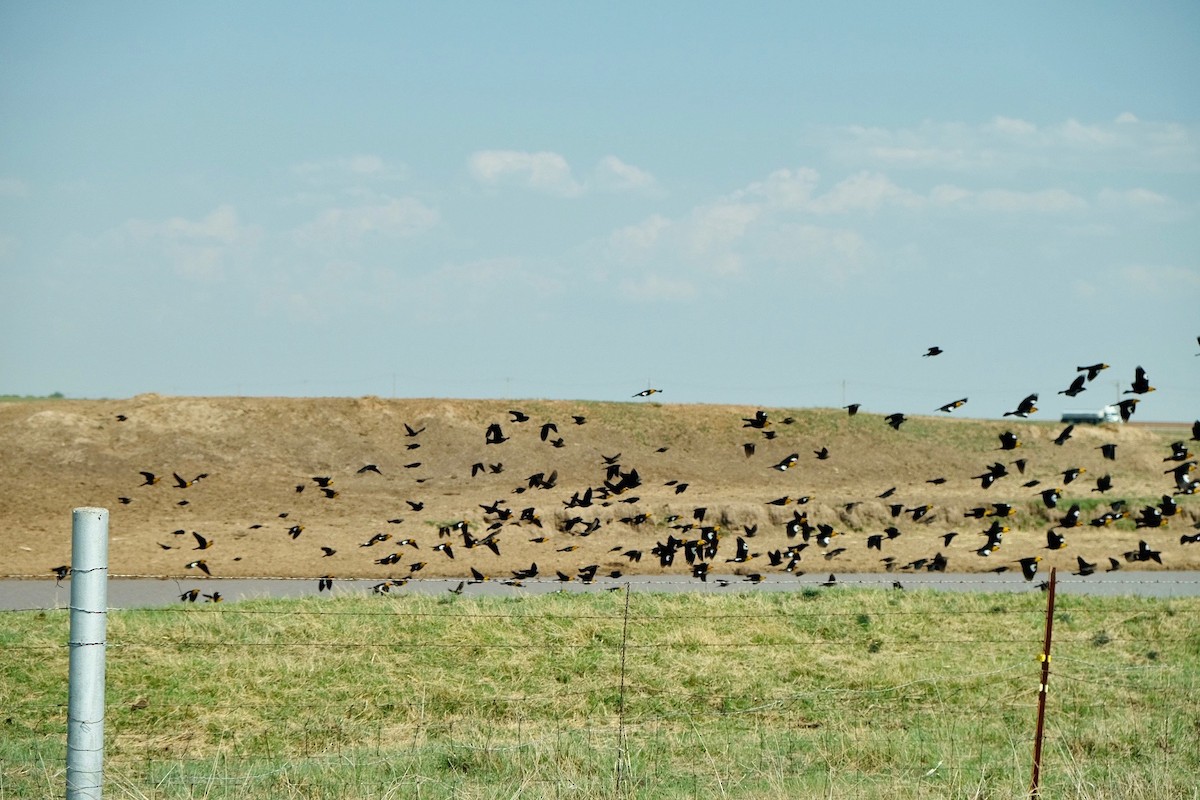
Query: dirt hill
[[263, 513]]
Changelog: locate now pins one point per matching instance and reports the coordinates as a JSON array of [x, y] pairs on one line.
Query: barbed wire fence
[[625, 694]]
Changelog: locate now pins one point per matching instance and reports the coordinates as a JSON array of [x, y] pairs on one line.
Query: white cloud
[[866, 191], [550, 173], [349, 168], [1161, 278], [648, 288], [786, 189], [1009, 145], [635, 241], [1043, 201], [220, 226], [1137, 198], [195, 249], [393, 217], [714, 230], [1013, 127], [543, 171], [13, 187], [613, 174], [1007, 200]]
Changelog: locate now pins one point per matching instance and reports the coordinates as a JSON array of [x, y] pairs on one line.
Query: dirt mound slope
[[639, 473]]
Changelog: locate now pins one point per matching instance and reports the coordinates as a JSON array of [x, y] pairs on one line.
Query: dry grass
[[65, 453]]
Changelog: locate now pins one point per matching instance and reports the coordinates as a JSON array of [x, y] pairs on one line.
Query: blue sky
[[778, 204]]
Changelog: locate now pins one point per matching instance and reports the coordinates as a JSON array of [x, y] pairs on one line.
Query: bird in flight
[[1092, 370], [1076, 386], [953, 405], [787, 463], [1025, 407], [895, 420], [199, 564], [1126, 407], [1141, 384], [494, 434], [647, 392], [933, 351]]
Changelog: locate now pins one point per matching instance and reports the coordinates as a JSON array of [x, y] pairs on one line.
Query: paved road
[[145, 593]]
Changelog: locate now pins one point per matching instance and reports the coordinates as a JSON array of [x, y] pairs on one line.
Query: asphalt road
[[148, 593]]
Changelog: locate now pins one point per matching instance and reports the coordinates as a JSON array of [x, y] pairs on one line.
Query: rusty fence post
[[1044, 657]]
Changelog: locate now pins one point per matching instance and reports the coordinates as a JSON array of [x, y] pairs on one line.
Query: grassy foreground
[[821, 693]]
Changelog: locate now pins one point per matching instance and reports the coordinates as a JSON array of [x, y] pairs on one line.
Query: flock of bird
[[693, 544]]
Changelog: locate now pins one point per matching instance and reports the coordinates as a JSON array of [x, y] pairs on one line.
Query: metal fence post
[[85, 693]]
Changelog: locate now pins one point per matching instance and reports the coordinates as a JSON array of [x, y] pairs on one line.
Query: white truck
[[1106, 414]]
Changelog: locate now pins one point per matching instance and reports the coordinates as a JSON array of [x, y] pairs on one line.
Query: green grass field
[[835, 693]]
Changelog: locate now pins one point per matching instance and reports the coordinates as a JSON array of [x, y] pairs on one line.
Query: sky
[[765, 204]]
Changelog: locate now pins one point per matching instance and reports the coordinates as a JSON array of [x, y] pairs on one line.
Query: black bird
[[1126, 407], [519, 416], [1103, 484], [994, 473], [326, 552], [822, 454], [1092, 371], [408, 430], [180, 482], [1143, 553], [759, 420], [953, 405], [1109, 451], [895, 420], [1062, 437], [1072, 473], [199, 564], [787, 463], [1025, 407], [494, 434], [369, 468], [1050, 497], [1029, 566], [547, 427], [1179, 452], [149, 478], [1076, 386], [853, 408], [933, 351], [1071, 518], [1141, 384], [1085, 568]]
